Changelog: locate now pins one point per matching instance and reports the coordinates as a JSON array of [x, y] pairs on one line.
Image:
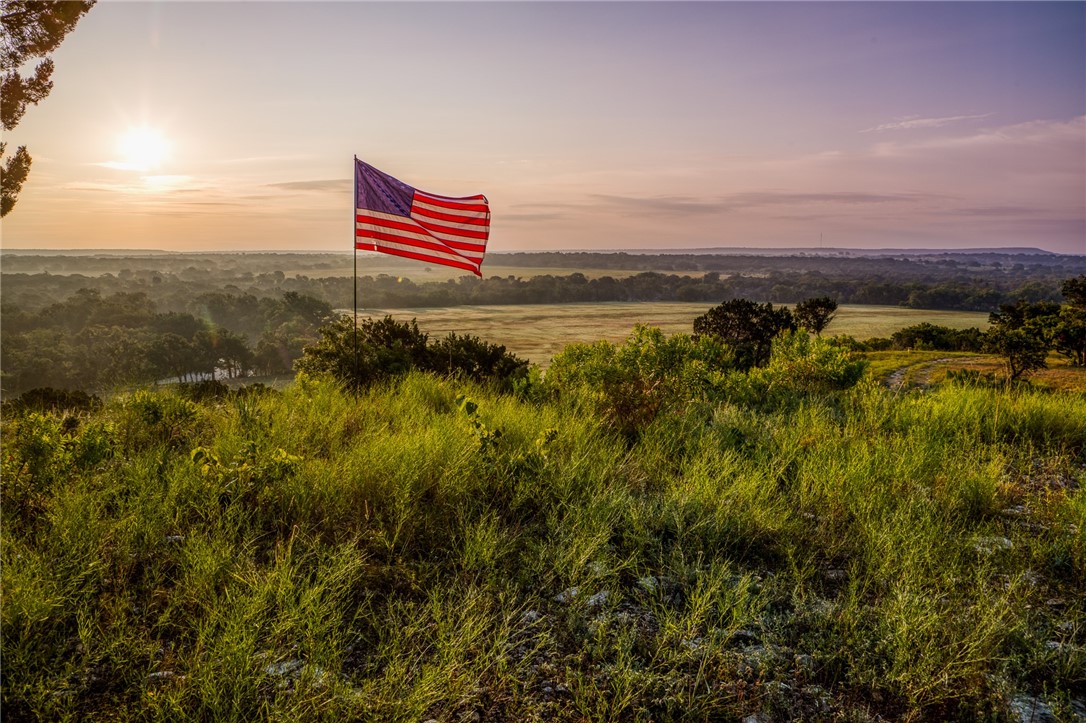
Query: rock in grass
[[1028, 709], [567, 595], [287, 667], [991, 545]]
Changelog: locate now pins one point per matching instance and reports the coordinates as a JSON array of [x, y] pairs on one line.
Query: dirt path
[[921, 374]]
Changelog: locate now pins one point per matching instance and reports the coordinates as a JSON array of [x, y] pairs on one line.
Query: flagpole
[[354, 246]]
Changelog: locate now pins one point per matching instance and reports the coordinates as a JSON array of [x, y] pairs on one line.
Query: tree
[[1022, 350], [32, 29], [747, 327], [1074, 291], [1070, 336], [815, 314], [1022, 333]]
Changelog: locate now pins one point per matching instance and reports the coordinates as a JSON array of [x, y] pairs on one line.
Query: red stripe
[[432, 246], [438, 228], [423, 257], [424, 227], [449, 217], [452, 203], [405, 225]]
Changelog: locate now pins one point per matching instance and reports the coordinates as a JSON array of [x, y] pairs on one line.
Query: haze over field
[[218, 126]]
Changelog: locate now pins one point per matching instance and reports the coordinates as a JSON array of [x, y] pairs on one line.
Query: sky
[[210, 126]]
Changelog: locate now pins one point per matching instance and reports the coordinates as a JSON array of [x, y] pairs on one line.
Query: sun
[[143, 149]]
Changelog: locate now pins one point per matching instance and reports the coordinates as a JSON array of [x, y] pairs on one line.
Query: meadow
[[636, 537], [539, 331]]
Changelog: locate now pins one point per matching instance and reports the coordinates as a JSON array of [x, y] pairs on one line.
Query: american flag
[[394, 218]]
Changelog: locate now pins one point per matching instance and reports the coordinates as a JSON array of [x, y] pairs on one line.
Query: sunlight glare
[[143, 149]]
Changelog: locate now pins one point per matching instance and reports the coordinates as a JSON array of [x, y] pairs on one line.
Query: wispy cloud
[[332, 184], [688, 205], [661, 205], [914, 122]]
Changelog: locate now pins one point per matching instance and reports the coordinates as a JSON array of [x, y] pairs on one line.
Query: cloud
[[777, 198], [336, 185], [532, 217], [661, 205], [914, 122], [265, 159], [688, 205]]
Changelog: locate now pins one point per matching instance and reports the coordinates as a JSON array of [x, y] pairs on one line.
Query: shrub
[[629, 384], [801, 365], [386, 348], [747, 327], [46, 399], [932, 337]]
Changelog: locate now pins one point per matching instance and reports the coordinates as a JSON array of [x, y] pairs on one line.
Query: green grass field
[[763, 552], [539, 331]]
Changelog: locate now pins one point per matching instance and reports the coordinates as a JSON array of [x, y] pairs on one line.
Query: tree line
[[174, 291], [96, 342]]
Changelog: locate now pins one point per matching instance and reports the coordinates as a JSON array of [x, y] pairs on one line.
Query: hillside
[[632, 538]]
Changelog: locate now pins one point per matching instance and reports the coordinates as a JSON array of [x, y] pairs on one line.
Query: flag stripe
[[460, 205], [386, 240], [458, 239], [454, 230], [430, 259], [467, 220], [467, 251]]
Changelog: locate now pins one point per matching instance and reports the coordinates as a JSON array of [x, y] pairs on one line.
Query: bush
[[387, 348], [48, 399], [931, 337], [747, 327], [801, 365], [629, 384]]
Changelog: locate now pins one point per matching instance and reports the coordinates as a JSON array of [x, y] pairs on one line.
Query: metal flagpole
[[354, 246]]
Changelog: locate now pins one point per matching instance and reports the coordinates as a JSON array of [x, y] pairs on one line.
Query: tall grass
[[406, 554]]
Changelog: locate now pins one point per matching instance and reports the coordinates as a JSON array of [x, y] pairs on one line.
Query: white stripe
[[427, 221], [379, 215], [478, 198], [460, 212], [419, 235], [429, 252]]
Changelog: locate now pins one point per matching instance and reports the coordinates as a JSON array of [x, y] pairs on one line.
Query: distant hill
[[811, 251]]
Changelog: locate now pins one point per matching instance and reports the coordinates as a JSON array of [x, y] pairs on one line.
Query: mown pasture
[[539, 331]]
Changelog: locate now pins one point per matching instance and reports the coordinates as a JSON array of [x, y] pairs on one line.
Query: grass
[[539, 331], [305, 555], [922, 368]]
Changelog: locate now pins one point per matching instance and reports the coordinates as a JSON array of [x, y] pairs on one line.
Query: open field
[[539, 331]]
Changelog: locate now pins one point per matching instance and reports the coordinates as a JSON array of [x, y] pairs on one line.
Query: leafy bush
[[747, 327], [629, 384], [45, 399], [475, 359], [926, 336], [385, 348], [801, 365]]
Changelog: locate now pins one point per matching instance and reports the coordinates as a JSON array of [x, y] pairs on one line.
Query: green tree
[[1022, 333], [747, 327], [815, 314], [1070, 333], [31, 30], [1074, 291]]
